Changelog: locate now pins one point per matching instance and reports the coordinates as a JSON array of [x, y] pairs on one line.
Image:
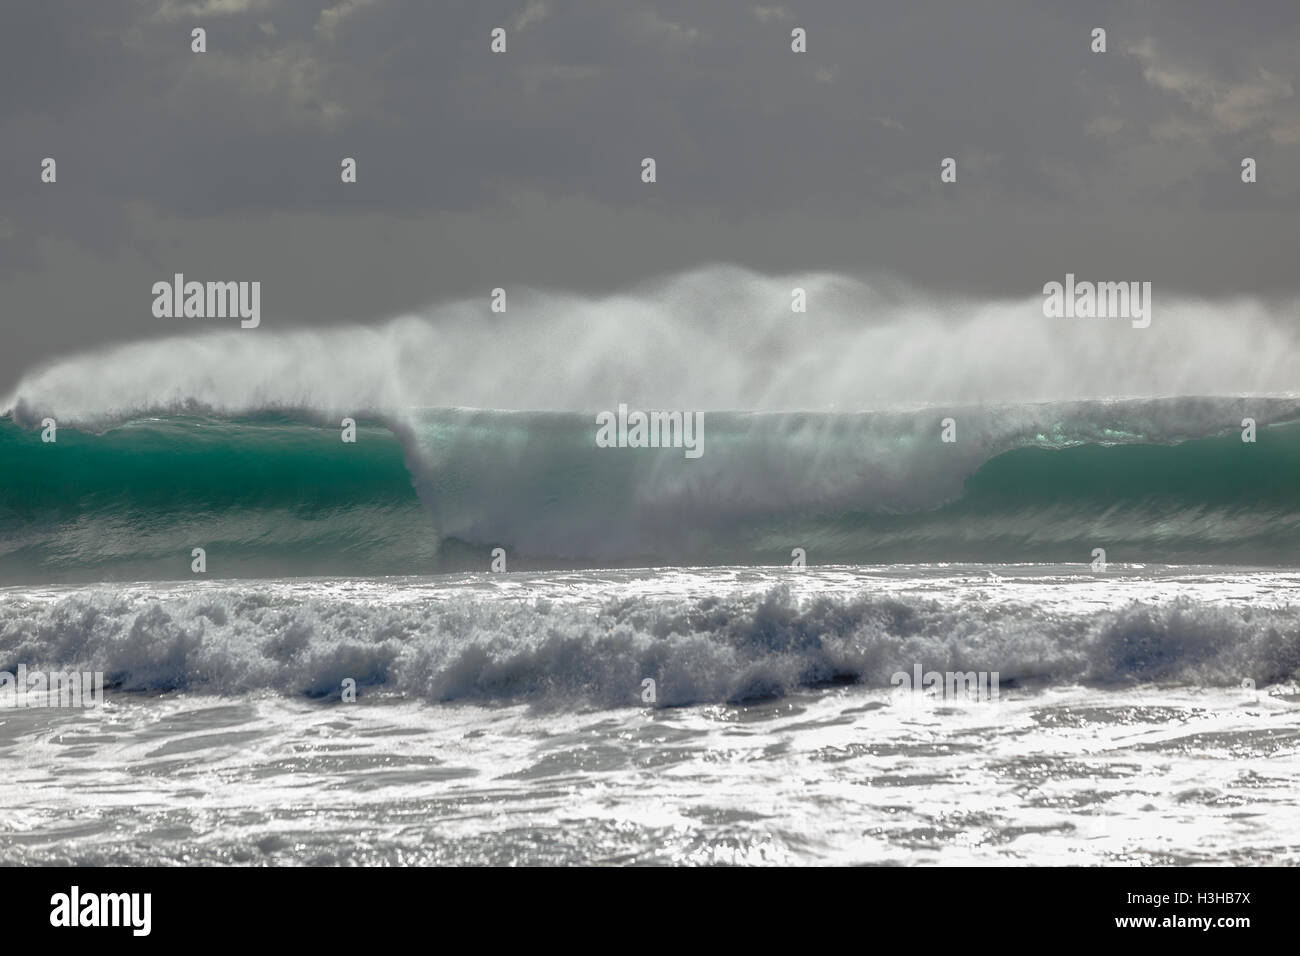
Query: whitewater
[[1147, 717], [684, 661]]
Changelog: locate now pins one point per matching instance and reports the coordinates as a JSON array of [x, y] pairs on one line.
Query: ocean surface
[[501, 719], [279, 494], [650, 680]]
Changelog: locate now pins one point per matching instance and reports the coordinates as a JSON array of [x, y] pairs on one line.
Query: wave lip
[[711, 339]]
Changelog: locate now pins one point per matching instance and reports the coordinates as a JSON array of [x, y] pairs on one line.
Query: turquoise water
[[435, 491]]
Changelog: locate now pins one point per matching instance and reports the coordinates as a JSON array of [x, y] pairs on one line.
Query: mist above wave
[[712, 339]]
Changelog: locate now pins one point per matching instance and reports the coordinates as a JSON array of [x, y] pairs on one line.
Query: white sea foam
[[589, 639]]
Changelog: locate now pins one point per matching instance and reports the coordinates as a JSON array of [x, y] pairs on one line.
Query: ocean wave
[[491, 648], [274, 495]]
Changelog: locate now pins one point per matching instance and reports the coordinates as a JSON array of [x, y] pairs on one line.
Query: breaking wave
[[482, 644], [278, 494]]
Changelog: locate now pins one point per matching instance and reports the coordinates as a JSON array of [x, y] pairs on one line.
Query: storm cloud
[[478, 170]]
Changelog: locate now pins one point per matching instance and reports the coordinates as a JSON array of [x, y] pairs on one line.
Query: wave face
[[703, 636], [258, 495], [436, 490]]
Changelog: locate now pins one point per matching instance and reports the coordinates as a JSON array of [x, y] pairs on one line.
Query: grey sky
[[479, 170]]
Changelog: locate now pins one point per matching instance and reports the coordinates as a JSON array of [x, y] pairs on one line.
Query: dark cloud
[[479, 170]]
